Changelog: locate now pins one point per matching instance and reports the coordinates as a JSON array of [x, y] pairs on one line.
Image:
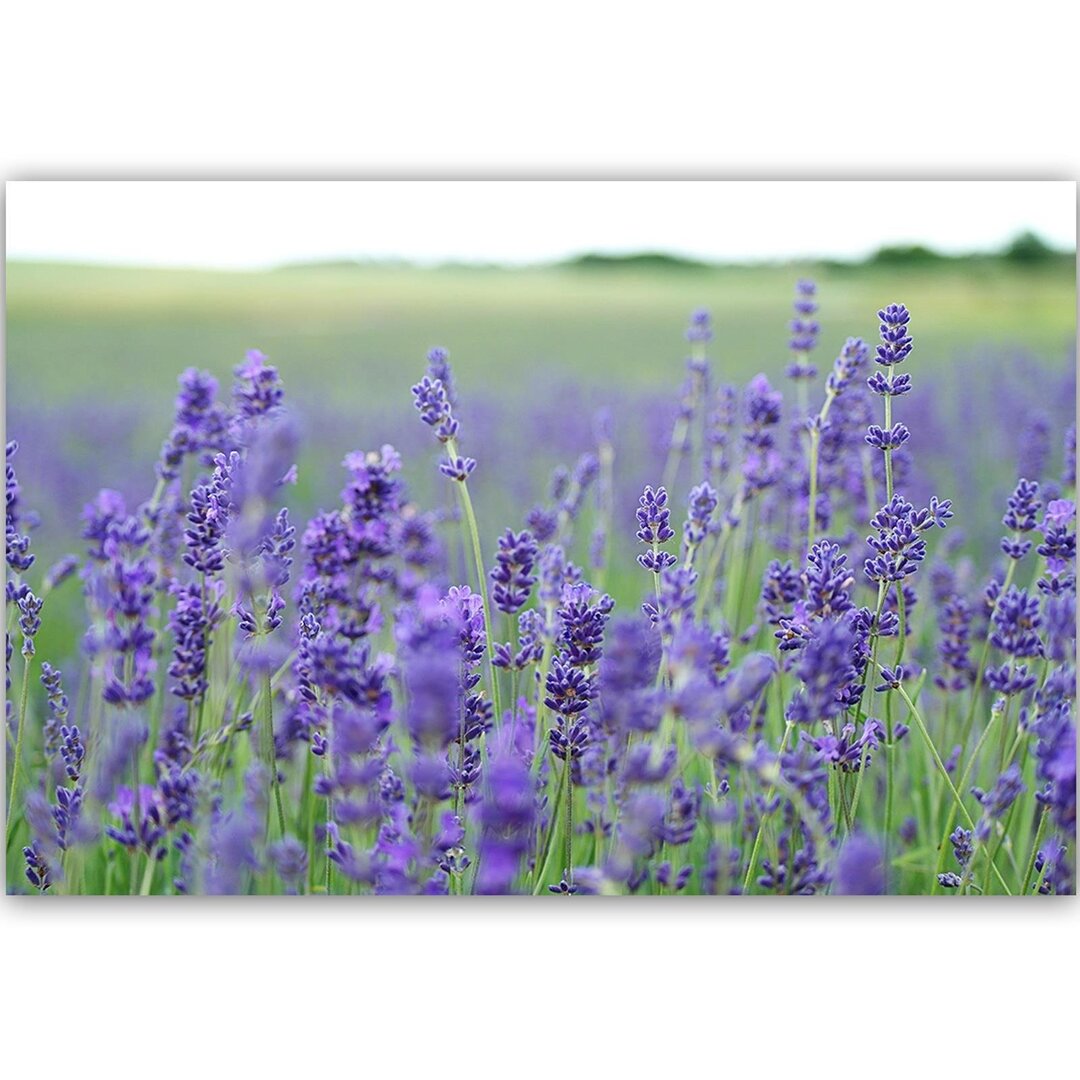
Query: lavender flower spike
[[804, 331], [654, 528]]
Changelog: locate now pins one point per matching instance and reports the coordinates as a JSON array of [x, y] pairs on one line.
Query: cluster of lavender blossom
[[816, 693]]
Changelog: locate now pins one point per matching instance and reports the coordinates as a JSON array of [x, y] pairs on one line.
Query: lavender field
[[605, 593]]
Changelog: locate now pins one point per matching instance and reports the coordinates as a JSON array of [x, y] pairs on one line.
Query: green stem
[[811, 513], [866, 679], [921, 725], [752, 865], [604, 507], [869, 486], [890, 774], [981, 669], [708, 579], [541, 685], [307, 804], [844, 801], [17, 764], [569, 825], [148, 875], [271, 754], [675, 451], [548, 846], [858, 783], [745, 566], [481, 575], [965, 776], [1025, 884], [890, 750], [328, 870], [888, 453], [815, 443]]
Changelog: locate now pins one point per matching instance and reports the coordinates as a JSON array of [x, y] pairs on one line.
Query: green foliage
[[1029, 247], [642, 260], [906, 255]]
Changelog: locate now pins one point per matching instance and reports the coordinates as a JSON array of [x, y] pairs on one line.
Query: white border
[[504, 988]]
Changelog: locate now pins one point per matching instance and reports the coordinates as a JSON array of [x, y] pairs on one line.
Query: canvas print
[[555, 540]]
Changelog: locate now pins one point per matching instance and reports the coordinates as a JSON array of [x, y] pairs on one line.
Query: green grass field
[[345, 336]]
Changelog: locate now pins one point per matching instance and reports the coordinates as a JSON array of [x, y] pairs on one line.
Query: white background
[[238, 224], [508, 989]]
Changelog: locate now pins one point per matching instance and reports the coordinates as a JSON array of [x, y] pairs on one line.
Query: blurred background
[[553, 298]]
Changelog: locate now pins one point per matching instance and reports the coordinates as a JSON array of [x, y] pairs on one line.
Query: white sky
[[259, 223]]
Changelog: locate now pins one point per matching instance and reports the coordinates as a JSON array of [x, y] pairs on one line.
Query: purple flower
[[568, 689], [894, 349], [59, 572], [1034, 445], [954, 625], [192, 622], [626, 678], [235, 838], [996, 802], [847, 752], [847, 365], [29, 621], [654, 527], [1022, 516], [700, 329], [257, 391], [762, 464], [513, 577], [457, 468], [745, 684], [207, 519], [543, 523], [804, 330], [702, 504], [1015, 621], [37, 868], [890, 679], [891, 439], [961, 840], [142, 820], [290, 860], [1060, 512], [124, 588], [720, 423], [860, 868], [72, 751], [98, 517], [582, 615], [681, 816], [17, 545], [898, 544], [432, 400], [825, 667], [530, 646], [828, 581], [676, 601], [439, 369], [780, 588], [431, 679], [506, 816], [200, 423], [58, 708]]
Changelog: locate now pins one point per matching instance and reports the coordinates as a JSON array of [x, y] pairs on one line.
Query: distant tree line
[[1027, 249]]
